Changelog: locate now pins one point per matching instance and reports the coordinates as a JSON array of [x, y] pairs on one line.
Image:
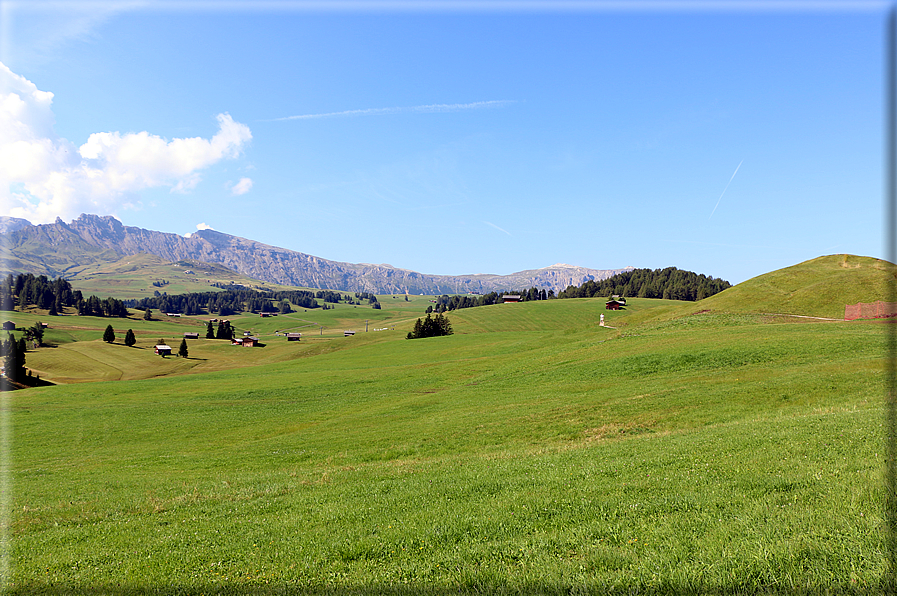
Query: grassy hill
[[819, 287], [531, 452]]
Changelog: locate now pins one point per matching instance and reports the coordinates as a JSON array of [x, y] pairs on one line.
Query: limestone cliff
[[59, 248]]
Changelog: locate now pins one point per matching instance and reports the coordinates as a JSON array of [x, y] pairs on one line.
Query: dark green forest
[[26, 290], [233, 300], [670, 284]]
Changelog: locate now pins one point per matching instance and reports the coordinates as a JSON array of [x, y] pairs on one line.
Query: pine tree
[[210, 331], [130, 340], [182, 351], [13, 359], [109, 334], [431, 327], [147, 315]]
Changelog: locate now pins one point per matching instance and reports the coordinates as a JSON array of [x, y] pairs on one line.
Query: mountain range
[[61, 248]]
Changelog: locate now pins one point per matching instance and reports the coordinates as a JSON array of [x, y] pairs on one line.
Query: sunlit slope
[[716, 453], [572, 315], [819, 287]]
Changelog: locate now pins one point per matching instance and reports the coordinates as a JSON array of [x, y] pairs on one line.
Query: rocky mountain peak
[[92, 237]]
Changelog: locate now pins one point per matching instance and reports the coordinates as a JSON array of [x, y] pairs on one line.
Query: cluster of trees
[[431, 327], [329, 296], [225, 331], [13, 353], [95, 307], [35, 334], [233, 300], [26, 289], [361, 296], [670, 283]]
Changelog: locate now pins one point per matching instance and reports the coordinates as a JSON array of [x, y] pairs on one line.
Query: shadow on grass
[[8, 385]]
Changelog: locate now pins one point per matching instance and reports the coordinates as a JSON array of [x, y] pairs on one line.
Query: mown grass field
[[676, 451], [75, 351]]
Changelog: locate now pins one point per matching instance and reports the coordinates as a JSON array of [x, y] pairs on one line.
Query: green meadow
[[683, 448]]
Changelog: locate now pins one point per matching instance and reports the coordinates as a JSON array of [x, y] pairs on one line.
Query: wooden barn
[[614, 304], [162, 350], [294, 336], [191, 335]]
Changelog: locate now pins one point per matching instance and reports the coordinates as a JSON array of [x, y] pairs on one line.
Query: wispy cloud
[[489, 223], [241, 187], [426, 109], [36, 32]]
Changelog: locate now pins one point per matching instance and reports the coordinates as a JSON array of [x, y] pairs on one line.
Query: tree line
[[233, 300], [25, 289], [670, 284], [12, 352], [445, 302]]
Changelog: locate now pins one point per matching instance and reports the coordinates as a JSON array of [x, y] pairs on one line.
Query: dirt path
[[777, 314]]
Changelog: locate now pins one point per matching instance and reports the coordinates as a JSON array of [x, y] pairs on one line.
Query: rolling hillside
[[819, 287], [531, 452]]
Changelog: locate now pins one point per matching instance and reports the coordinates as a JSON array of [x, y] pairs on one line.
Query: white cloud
[[44, 176], [204, 226], [242, 187]]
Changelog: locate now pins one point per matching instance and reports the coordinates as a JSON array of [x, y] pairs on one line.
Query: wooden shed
[[614, 304], [294, 336]]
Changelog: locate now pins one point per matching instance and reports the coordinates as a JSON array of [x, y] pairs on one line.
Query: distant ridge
[[11, 224], [57, 248]]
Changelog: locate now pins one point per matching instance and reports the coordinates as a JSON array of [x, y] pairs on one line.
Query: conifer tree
[[130, 340], [210, 331], [109, 334], [13, 359], [182, 351]]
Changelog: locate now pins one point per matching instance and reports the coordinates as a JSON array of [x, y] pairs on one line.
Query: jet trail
[[725, 189]]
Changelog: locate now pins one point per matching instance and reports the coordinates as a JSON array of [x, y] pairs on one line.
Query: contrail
[[438, 107], [489, 223], [725, 189]]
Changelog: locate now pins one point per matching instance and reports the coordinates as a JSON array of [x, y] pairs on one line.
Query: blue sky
[[485, 138]]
